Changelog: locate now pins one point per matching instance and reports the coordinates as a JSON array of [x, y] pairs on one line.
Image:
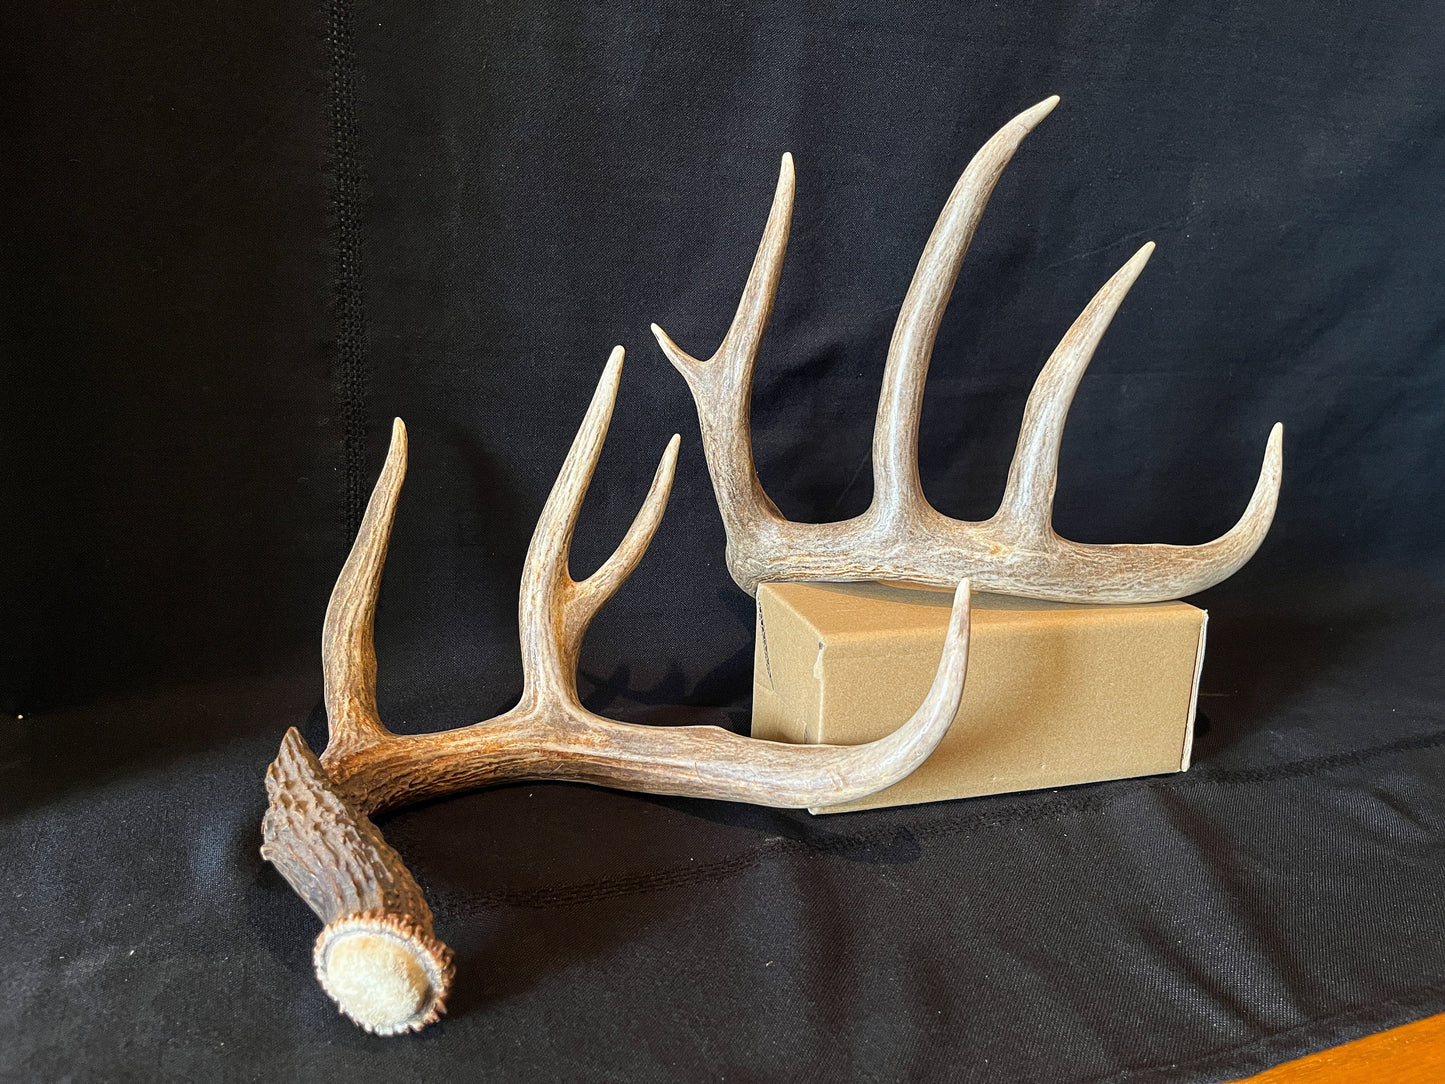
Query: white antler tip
[[962, 602], [1124, 278], [397, 448], [1275, 448], [681, 360], [612, 373], [669, 458], [1031, 117]]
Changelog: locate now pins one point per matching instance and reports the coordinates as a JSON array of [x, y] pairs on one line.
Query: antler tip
[[1274, 450], [1138, 260], [611, 376], [668, 464], [958, 621], [1031, 117], [681, 360], [1119, 284]]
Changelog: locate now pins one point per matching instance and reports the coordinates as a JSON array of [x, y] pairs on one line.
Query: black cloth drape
[[240, 238]]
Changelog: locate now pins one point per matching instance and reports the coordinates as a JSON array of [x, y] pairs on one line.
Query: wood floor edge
[[1410, 1054]]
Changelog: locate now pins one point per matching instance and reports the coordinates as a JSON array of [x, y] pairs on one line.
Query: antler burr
[[901, 536], [378, 957]]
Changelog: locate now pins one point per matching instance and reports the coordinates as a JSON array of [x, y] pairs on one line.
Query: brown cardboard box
[[1057, 693]]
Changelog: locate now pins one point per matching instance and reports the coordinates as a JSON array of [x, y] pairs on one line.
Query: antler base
[[376, 958]]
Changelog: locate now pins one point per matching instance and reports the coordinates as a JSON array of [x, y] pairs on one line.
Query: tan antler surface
[[377, 956], [901, 536]]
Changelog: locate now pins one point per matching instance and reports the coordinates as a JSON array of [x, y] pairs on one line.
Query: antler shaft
[[897, 492], [557, 740], [901, 536]]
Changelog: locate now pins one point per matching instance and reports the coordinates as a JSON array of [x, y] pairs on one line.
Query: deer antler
[[901, 536], [377, 956]]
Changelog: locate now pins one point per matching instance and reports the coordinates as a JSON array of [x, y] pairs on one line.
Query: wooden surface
[[1413, 1054]]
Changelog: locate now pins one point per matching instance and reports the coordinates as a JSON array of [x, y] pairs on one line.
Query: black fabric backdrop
[[239, 238]]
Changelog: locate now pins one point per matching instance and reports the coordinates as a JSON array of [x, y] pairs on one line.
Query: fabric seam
[[350, 378]]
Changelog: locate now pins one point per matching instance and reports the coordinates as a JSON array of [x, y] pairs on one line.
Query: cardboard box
[[1057, 693]]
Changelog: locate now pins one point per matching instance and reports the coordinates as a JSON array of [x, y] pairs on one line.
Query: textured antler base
[[376, 957], [383, 971]]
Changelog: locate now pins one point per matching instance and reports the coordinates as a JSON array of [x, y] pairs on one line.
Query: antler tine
[[745, 334], [738, 351], [597, 588], [722, 386], [546, 564], [348, 652], [1024, 514], [897, 492], [555, 610], [1155, 572]]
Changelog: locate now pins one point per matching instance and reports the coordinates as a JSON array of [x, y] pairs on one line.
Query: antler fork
[[377, 956], [901, 536]]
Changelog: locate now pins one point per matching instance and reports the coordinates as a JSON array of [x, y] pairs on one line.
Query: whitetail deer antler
[[901, 536], [377, 956]]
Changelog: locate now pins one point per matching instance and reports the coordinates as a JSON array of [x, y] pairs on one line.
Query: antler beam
[[901, 536], [377, 956]]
